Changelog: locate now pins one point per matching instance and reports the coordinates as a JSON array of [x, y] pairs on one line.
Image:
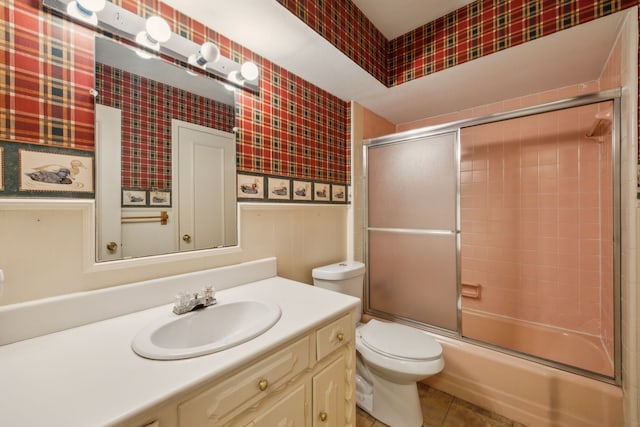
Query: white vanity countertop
[[89, 375]]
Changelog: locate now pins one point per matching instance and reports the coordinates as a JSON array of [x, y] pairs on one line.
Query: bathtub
[[571, 348], [525, 391]]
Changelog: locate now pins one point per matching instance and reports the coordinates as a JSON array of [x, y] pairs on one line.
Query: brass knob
[[263, 384], [186, 238], [112, 247], [340, 336], [323, 416]]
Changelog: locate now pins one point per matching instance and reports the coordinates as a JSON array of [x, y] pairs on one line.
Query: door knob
[[323, 416], [186, 238], [112, 247]]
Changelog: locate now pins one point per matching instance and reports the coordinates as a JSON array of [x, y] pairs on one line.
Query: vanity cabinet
[[228, 398], [329, 395], [307, 382]]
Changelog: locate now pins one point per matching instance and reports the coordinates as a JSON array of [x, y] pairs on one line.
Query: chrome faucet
[[189, 302]]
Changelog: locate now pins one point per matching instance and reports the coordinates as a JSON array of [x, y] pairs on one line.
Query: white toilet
[[391, 357]]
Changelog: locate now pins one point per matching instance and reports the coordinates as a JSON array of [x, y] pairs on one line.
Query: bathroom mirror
[[165, 156]]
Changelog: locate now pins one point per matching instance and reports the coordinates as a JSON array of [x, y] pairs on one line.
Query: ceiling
[[568, 57], [398, 17]]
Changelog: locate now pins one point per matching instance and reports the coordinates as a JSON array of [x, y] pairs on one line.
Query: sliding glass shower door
[[412, 230]]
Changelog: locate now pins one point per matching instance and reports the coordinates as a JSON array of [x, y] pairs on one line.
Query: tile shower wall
[[533, 232], [610, 78], [289, 128]]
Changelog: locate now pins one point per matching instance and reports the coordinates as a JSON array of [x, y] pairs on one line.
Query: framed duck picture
[[55, 172], [338, 193], [278, 188], [250, 186], [301, 190], [322, 191]]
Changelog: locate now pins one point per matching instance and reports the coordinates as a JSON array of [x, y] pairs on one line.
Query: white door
[[204, 186], [108, 150]]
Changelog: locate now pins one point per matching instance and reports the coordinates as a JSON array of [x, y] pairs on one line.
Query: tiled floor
[[440, 409]]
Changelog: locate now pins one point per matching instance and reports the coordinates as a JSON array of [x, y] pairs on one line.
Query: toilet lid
[[400, 341]]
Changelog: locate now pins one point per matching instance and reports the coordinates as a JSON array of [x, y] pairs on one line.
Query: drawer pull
[[340, 336], [323, 416], [263, 384]]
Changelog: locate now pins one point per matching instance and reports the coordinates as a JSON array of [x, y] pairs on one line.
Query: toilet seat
[[399, 341]]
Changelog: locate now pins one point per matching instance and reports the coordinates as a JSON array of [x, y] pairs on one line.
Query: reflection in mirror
[[165, 157]]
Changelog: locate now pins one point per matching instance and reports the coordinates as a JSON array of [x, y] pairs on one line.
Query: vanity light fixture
[[86, 10], [208, 53], [155, 35], [156, 31]]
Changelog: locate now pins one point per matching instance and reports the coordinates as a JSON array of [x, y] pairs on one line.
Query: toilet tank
[[346, 277]]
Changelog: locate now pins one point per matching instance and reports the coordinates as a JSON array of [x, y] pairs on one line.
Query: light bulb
[[85, 10], [249, 71], [91, 5], [143, 39], [158, 29], [208, 53]]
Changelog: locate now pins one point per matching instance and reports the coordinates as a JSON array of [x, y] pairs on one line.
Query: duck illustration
[[60, 176], [132, 198], [250, 188], [57, 174], [159, 199], [322, 193], [282, 190], [301, 191]]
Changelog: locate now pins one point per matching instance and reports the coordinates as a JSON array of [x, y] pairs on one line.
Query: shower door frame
[[613, 95]]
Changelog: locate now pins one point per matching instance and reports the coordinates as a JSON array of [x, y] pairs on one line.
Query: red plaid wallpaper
[[46, 71], [348, 29], [484, 27], [289, 128], [478, 29], [147, 109]]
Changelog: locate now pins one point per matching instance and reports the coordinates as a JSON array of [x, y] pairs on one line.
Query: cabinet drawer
[[289, 411], [334, 335], [242, 390]]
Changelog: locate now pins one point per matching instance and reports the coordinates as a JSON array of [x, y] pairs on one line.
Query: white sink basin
[[205, 331]]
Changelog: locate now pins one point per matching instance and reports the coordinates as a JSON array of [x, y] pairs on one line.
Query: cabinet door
[[288, 412], [329, 396]]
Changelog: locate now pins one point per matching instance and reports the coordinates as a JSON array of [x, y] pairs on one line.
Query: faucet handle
[[182, 299], [208, 291]]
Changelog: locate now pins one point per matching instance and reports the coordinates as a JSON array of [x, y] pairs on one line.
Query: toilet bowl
[[395, 357], [392, 357]]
